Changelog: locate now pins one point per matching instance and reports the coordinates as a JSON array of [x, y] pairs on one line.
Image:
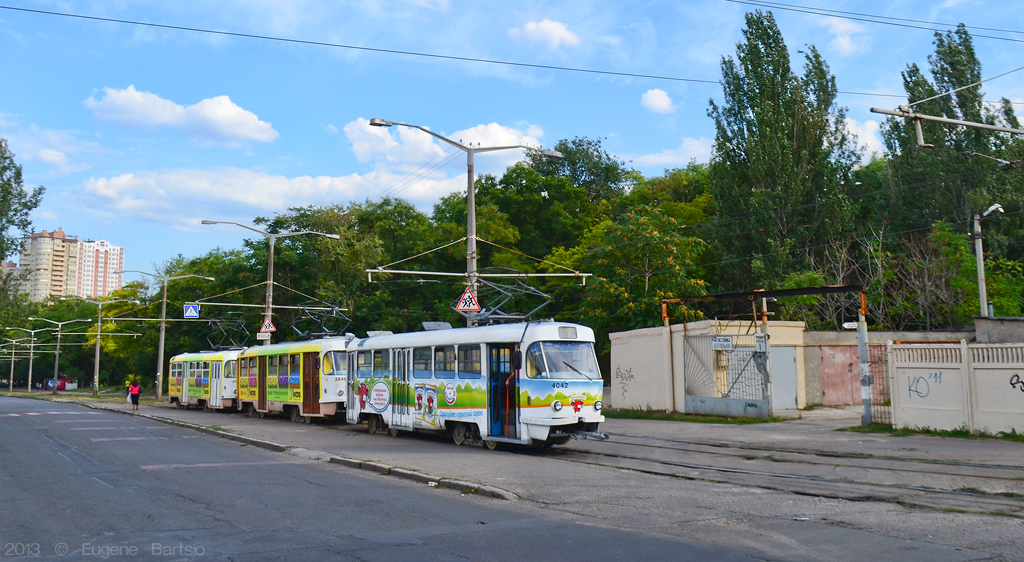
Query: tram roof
[[546, 330], [224, 354]]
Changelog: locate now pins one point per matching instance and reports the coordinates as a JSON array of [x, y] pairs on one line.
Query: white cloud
[[867, 137], [690, 149], [844, 42], [215, 120], [45, 215], [657, 100], [551, 33], [332, 129], [52, 157]]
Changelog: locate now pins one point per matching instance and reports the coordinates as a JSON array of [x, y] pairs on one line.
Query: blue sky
[[140, 133]]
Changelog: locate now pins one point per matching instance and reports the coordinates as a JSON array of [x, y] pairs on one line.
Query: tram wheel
[[206, 407], [491, 445], [294, 414], [458, 433], [393, 431], [307, 419], [261, 415], [372, 425]]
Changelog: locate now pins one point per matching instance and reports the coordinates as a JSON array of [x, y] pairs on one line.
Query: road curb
[[380, 468]]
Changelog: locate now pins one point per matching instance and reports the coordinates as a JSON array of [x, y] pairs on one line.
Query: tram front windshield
[[562, 360]]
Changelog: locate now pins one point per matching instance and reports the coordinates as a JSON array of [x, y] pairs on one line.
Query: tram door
[[185, 372], [215, 384], [503, 408], [261, 382], [400, 389], [310, 383]]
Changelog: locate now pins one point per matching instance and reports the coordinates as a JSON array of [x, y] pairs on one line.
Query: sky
[[140, 133]]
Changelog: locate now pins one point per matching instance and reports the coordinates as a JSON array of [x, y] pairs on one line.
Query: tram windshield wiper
[[567, 364]]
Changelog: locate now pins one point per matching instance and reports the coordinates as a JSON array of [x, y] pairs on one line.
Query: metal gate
[[727, 375]]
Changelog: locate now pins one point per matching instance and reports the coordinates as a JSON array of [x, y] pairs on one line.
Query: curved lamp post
[[471, 257], [272, 240], [163, 322], [982, 289], [31, 349], [99, 332], [56, 357]]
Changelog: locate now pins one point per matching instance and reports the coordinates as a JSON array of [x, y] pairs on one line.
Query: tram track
[[956, 486]]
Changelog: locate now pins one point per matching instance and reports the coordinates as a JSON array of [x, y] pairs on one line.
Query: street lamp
[[99, 332], [471, 257], [982, 292], [163, 322], [14, 348], [272, 240], [56, 358], [31, 349]]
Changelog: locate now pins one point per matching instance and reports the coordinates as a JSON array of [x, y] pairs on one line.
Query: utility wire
[[868, 19], [980, 82]]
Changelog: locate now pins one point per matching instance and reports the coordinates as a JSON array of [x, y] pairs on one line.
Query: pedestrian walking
[[134, 390]]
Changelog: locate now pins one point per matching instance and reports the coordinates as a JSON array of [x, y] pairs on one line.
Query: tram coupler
[[588, 434]]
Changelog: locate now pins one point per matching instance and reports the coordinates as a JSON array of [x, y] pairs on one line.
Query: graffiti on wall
[[921, 385], [1016, 382], [624, 377]]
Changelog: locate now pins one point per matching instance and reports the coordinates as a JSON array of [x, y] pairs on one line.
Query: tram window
[[253, 372], [339, 362], [272, 379], [444, 362], [421, 368], [364, 364], [382, 363], [536, 368], [469, 361], [295, 377], [229, 369]]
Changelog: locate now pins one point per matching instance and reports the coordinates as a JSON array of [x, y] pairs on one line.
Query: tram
[[535, 383], [302, 380], [205, 380]]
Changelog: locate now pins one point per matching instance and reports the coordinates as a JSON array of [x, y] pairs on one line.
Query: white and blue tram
[[527, 383]]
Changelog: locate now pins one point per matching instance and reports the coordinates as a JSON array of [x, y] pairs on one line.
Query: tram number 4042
[[559, 385]]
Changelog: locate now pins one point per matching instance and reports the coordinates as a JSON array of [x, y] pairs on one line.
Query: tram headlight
[[598, 405], [556, 405]]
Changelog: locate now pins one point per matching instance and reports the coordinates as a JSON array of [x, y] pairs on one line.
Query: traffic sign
[[191, 310], [263, 336], [468, 302], [268, 326]]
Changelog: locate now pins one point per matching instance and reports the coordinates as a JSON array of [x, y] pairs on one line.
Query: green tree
[[782, 159]]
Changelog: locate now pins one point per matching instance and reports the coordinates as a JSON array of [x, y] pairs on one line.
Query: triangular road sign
[[468, 302], [268, 326]]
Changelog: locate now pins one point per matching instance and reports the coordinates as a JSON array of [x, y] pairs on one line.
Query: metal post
[[31, 352], [471, 277], [96, 359], [10, 382], [865, 366], [982, 293], [272, 240], [56, 359], [160, 351]]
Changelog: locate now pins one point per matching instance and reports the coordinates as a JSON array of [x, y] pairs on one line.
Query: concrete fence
[[952, 386]]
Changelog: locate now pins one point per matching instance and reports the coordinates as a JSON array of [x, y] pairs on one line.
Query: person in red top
[[134, 390]]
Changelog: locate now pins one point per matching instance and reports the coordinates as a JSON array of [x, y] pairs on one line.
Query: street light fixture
[[99, 332], [271, 241], [56, 357], [163, 322], [14, 347], [31, 349], [471, 256], [982, 289]]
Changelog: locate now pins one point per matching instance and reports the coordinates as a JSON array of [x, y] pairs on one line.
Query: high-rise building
[[51, 262], [97, 263]]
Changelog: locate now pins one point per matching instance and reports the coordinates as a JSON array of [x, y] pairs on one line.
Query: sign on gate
[[721, 343]]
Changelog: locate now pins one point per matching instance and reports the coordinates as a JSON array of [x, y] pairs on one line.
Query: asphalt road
[[79, 484]]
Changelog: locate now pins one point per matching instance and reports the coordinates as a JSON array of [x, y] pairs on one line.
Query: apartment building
[[98, 264], [51, 260]]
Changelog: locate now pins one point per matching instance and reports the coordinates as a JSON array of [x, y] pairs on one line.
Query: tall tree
[[782, 158]]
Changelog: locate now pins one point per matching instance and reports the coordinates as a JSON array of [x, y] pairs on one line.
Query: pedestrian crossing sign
[[468, 302], [192, 310], [268, 326]]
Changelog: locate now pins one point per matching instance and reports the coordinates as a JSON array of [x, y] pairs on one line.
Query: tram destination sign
[[721, 343]]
